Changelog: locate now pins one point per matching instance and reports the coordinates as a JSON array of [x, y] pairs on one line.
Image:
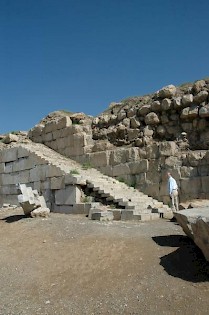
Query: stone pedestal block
[[68, 196]]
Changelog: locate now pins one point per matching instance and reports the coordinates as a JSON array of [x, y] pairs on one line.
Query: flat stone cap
[[195, 213]]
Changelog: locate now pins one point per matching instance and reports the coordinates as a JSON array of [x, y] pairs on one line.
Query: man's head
[[168, 174]]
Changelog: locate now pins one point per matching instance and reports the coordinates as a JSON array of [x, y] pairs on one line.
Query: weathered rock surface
[[195, 224]]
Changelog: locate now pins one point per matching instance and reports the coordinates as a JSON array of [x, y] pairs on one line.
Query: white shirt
[[172, 184]]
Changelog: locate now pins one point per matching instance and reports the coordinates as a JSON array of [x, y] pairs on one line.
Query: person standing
[[173, 192]]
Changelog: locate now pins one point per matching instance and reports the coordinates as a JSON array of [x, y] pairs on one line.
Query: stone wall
[[19, 165], [146, 169], [60, 134]]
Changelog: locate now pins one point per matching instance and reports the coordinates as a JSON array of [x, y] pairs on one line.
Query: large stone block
[[153, 173], [121, 169], [57, 134], [118, 156], [107, 170], [167, 148], [152, 190], [63, 143], [22, 152], [53, 171], [48, 196], [173, 162], [7, 179], [73, 179], [21, 177], [38, 160], [194, 158], [64, 122], [8, 155], [152, 151], [140, 179], [133, 154], [46, 184], [68, 196], [47, 137], [68, 131], [14, 178], [38, 173], [8, 190], [24, 163], [188, 171], [191, 186], [50, 126], [36, 132], [138, 167], [8, 167], [57, 182], [73, 151], [99, 159], [37, 186], [195, 224], [130, 180], [54, 145], [79, 140]]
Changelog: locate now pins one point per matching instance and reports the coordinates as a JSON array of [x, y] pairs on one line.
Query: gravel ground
[[67, 264]]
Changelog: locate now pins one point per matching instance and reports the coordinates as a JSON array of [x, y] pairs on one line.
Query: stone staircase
[[124, 202]]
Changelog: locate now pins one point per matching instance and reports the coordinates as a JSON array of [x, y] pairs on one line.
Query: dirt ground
[[67, 264]]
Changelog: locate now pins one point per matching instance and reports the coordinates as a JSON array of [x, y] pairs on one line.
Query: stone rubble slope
[[132, 203], [163, 115]]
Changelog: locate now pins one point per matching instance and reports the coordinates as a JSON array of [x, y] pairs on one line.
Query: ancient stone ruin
[[113, 166]]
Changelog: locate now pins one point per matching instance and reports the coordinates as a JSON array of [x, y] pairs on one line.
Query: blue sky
[[80, 55]]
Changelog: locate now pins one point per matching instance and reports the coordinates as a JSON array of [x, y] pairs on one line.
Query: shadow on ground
[[14, 218], [186, 262]]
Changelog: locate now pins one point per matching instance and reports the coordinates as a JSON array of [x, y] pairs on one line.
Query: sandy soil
[[70, 265]]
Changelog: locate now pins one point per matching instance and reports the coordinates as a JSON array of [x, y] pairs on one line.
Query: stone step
[[127, 215]]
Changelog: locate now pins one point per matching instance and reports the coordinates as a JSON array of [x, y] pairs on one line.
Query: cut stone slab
[[195, 224]]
